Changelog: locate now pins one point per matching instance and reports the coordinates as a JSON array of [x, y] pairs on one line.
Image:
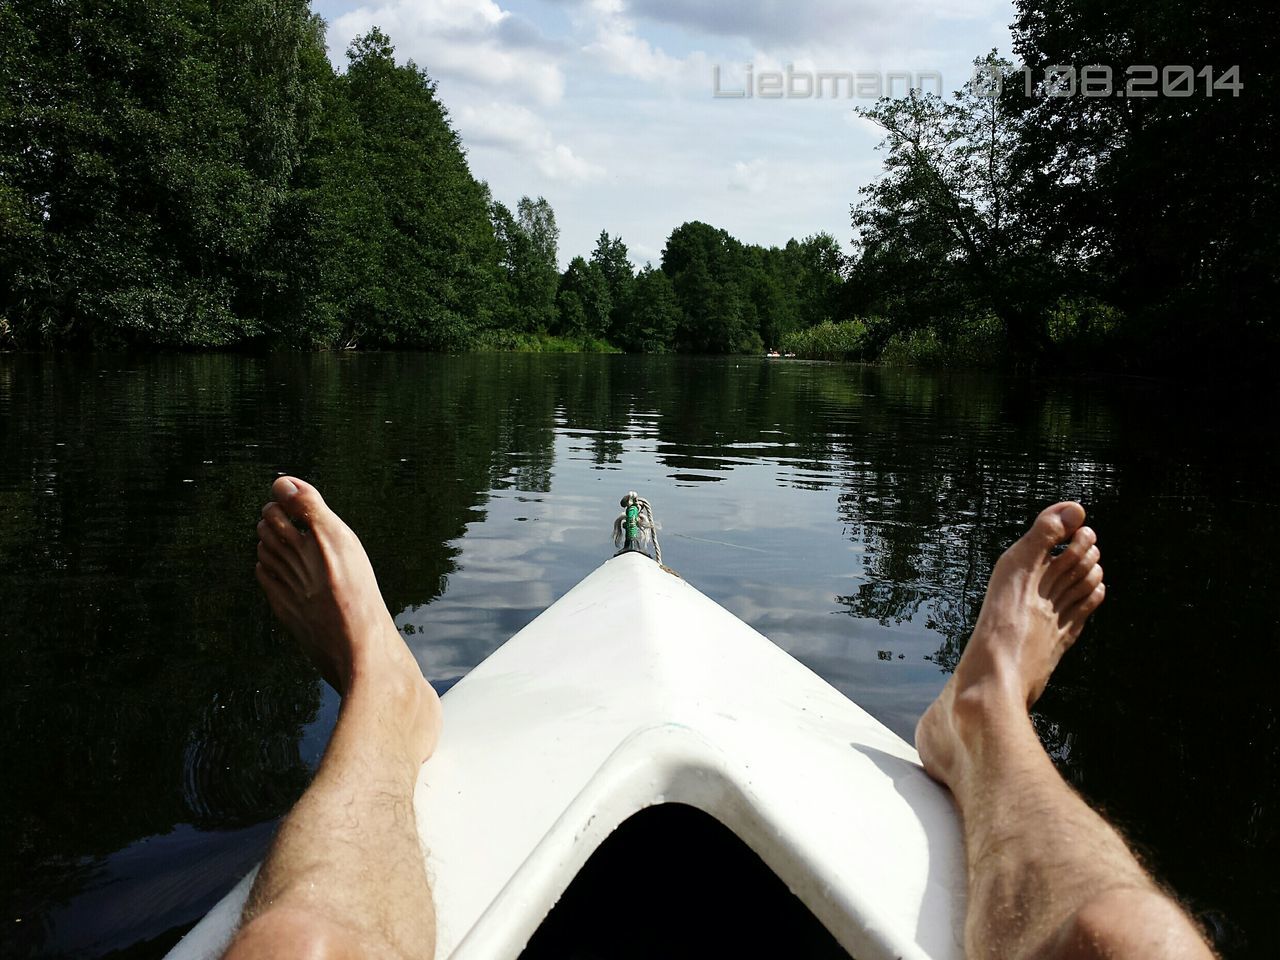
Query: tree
[[708, 271], [772, 308], [815, 269], [610, 257], [584, 301], [144, 153], [528, 245], [649, 317], [197, 175], [1168, 196], [940, 234], [401, 227]]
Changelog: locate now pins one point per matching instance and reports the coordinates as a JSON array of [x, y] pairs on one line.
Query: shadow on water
[[157, 724]]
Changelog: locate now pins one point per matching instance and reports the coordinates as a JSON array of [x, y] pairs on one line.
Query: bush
[[1086, 322], [978, 343], [511, 341], [828, 341]]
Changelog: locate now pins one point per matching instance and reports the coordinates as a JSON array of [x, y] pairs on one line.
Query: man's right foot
[[320, 584], [1035, 607]]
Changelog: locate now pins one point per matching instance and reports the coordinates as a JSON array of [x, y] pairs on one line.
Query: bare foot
[[1035, 607], [320, 584]]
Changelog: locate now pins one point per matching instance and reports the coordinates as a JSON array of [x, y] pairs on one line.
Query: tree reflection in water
[[157, 724]]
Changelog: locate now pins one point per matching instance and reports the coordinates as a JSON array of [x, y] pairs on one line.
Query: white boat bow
[[632, 690]]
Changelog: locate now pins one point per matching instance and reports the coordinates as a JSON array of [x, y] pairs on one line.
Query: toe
[[276, 564], [1054, 525], [1080, 612], [277, 593], [286, 543], [301, 501], [1080, 590], [277, 522], [1074, 562]]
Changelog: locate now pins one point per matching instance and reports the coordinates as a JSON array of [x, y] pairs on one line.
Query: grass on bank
[[1077, 329], [829, 341], [510, 341]]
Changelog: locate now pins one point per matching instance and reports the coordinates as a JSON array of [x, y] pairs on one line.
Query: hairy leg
[[345, 875], [1048, 878]]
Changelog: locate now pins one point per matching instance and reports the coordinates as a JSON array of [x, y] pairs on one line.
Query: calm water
[[156, 724]]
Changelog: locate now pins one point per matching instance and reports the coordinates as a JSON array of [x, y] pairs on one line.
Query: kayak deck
[[635, 690]]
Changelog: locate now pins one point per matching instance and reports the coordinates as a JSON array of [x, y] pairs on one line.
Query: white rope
[[646, 526]]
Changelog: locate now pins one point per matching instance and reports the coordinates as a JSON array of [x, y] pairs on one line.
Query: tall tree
[[529, 255], [815, 268], [584, 301], [708, 270], [1170, 183], [941, 233], [402, 231], [144, 152], [772, 304], [649, 317], [610, 257]]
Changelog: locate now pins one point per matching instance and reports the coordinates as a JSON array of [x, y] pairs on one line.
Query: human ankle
[[988, 687], [389, 684], [380, 660], [398, 686], [988, 711]]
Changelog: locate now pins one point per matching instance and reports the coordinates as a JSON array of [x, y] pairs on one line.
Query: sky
[[609, 108]]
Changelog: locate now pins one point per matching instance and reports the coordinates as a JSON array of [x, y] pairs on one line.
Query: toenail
[[288, 488]]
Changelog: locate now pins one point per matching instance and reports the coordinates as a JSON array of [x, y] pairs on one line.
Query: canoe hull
[[634, 689]]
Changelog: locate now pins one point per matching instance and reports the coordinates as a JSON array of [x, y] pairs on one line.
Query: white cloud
[[520, 132], [615, 43], [751, 177], [770, 25], [474, 41], [643, 255], [561, 163], [605, 106]]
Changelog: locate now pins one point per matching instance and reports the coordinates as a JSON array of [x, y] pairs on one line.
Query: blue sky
[[606, 107]]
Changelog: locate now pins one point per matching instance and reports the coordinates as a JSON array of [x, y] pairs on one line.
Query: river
[[157, 724]]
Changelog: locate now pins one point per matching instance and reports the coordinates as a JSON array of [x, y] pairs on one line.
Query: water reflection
[[158, 726]]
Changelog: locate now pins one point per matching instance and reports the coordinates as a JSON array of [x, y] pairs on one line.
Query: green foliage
[[399, 228], [1077, 220], [146, 151], [704, 265], [512, 341], [650, 315], [814, 268], [584, 300], [610, 257], [198, 175], [981, 343], [189, 175], [1169, 199], [738, 298], [944, 233], [528, 257], [1085, 321], [828, 341]]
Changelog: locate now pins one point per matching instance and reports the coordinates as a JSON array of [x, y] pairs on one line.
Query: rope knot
[[635, 529]]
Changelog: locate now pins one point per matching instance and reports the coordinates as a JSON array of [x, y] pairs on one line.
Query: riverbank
[[509, 341]]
